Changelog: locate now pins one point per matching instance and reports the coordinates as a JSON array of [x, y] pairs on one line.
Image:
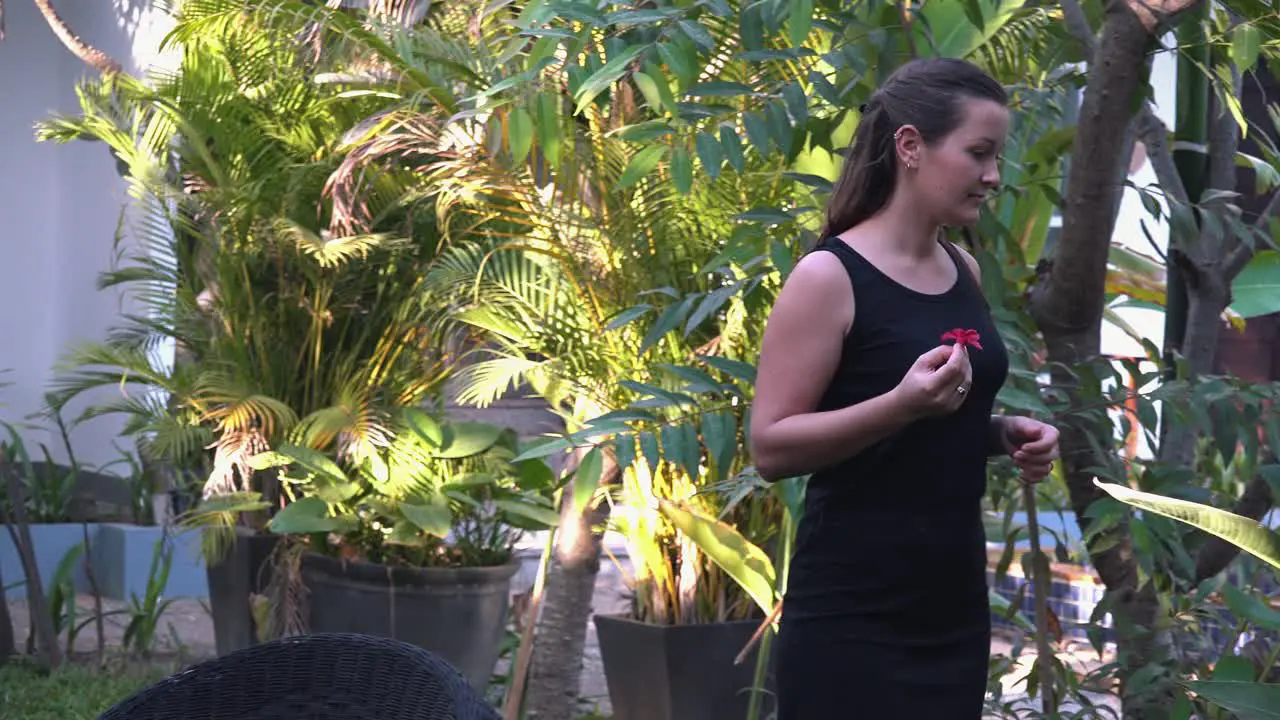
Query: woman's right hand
[[937, 383]]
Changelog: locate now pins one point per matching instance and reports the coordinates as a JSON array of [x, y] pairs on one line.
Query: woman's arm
[[799, 354]]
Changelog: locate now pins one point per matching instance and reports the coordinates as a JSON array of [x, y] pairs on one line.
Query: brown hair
[[925, 93]]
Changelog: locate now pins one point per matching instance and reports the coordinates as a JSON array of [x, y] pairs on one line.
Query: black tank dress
[[886, 613]]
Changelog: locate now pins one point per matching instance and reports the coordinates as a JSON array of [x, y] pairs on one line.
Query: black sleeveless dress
[[886, 613]]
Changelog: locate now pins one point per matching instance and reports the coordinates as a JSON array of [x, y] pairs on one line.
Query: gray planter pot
[[246, 569], [678, 672], [460, 614]]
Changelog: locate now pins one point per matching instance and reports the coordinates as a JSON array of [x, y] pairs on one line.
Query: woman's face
[[953, 176]]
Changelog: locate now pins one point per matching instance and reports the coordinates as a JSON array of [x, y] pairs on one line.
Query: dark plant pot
[[246, 569], [460, 614], [679, 672]]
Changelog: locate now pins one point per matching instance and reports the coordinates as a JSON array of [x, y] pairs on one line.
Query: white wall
[[60, 206]]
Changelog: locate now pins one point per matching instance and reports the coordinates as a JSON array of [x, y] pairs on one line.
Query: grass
[[74, 692]]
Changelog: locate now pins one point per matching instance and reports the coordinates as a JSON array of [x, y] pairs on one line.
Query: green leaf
[[626, 317], [624, 449], [710, 304], [732, 146], [549, 127], [650, 450], [719, 88], [801, 21], [746, 563], [467, 439], [538, 514], [751, 26], [305, 516], [1265, 174], [1246, 41], [680, 63], [720, 436], [644, 132], [767, 216], [1246, 534], [709, 153], [424, 426], [698, 34], [649, 88], [313, 461], [601, 79], [669, 320], [698, 380], [757, 133], [1251, 608], [433, 518], [682, 170], [520, 134], [641, 164], [586, 479], [668, 398], [733, 368], [543, 448], [1256, 290], [1248, 700]]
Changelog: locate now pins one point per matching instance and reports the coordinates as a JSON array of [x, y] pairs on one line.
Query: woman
[[878, 371]]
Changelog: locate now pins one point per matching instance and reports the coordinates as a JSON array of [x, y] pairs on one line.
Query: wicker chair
[[318, 677]]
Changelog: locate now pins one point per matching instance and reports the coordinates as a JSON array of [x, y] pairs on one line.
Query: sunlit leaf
[[746, 563], [1246, 534]]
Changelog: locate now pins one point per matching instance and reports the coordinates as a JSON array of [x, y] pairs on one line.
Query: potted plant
[[413, 537]]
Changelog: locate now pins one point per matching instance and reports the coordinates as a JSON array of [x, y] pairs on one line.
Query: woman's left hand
[[1032, 444]]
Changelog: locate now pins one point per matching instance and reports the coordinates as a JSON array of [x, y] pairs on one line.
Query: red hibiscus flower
[[963, 337]]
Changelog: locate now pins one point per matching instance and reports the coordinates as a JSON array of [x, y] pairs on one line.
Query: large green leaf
[[467, 439], [606, 76], [954, 32], [307, 515], [1246, 534], [1256, 290], [746, 563], [432, 517], [1248, 700]]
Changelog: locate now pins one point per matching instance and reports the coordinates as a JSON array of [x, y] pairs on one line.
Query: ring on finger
[[962, 389]]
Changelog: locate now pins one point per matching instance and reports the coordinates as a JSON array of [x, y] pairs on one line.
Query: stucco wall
[[60, 206]]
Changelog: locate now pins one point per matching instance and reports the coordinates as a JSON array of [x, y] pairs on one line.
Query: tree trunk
[[1067, 304], [37, 603], [556, 671], [90, 55], [7, 647]]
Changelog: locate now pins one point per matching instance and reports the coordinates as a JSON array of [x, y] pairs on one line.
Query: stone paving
[[186, 634]]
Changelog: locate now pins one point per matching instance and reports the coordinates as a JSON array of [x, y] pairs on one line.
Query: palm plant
[[290, 315]]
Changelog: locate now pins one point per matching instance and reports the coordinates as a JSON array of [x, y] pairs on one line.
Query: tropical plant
[[436, 494], [1252, 693], [287, 311]]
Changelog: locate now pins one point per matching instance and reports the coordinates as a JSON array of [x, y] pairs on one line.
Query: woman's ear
[[907, 143]]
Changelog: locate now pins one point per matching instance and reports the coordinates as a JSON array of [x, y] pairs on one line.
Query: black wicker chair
[[325, 676]]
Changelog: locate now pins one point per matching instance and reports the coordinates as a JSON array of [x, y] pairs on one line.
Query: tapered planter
[[245, 570], [460, 614], [679, 672]]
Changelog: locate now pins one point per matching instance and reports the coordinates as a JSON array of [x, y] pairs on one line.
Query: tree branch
[[91, 56], [1155, 136], [1078, 25], [1242, 253], [1224, 140]]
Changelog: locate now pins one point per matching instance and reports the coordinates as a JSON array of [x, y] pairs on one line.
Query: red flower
[[963, 337]]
